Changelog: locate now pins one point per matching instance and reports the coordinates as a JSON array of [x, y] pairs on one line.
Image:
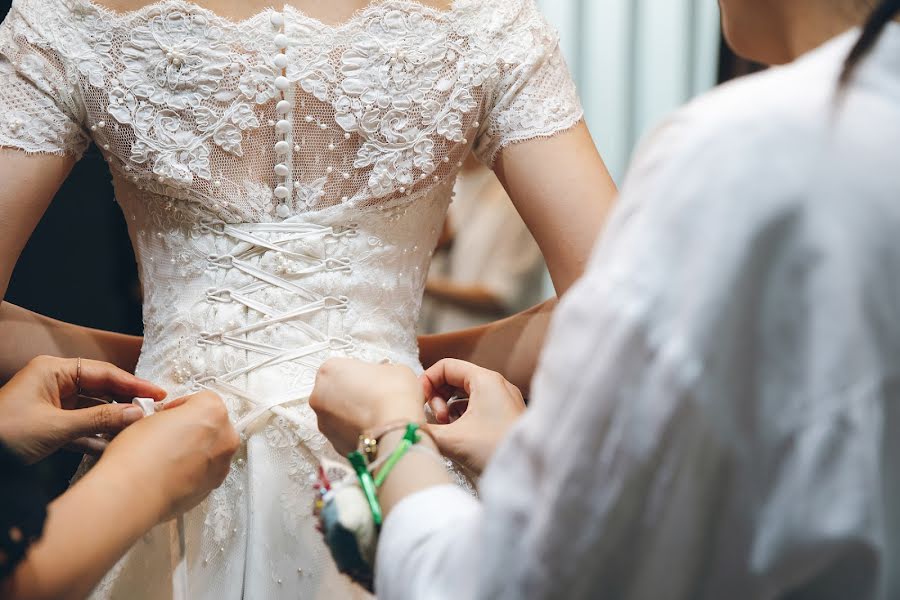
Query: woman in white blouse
[[717, 410]]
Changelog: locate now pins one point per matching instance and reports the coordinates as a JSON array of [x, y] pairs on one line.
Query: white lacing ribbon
[[250, 245]]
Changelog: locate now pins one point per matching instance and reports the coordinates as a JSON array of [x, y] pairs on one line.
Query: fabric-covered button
[[283, 126], [283, 211], [282, 147], [281, 41], [283, 107], [282, 83], [277, 19], [281, 170], [281, 192], [280, 61]]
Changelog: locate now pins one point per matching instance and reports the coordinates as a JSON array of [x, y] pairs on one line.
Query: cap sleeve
[[40, 107], [534, 94]]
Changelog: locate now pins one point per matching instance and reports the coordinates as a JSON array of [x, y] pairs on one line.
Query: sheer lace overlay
[[284, 182]]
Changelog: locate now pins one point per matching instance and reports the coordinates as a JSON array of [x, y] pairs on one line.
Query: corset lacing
[[249, 245]]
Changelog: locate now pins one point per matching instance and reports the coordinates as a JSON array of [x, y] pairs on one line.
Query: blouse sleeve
[[40, 107], [534, 95]]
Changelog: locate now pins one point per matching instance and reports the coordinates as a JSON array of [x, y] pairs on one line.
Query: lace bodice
[[284, 183], [278, 114]]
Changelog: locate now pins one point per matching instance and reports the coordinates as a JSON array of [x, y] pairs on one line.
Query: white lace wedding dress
[[284, 183]]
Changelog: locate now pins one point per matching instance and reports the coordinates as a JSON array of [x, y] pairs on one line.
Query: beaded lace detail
[[381, 107], [284, 182]]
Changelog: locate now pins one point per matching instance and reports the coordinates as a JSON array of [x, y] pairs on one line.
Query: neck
[[807, 27], [808, 24]]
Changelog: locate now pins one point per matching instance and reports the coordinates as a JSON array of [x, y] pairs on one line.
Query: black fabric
[[23, 510]]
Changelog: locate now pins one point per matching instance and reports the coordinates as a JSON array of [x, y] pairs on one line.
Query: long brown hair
[[883, 14]]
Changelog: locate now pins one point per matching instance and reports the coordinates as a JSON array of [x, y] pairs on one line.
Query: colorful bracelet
[[367, 483], [412, 436], [368, 441], [368, 486], [419, 448], [348, 510]]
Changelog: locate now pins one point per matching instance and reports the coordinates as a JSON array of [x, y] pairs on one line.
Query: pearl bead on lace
[[175, 57]]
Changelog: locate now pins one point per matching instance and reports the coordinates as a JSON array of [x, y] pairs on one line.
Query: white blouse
[[717, 412]]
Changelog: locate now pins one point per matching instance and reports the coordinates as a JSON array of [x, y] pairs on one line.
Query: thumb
[[108, 418]]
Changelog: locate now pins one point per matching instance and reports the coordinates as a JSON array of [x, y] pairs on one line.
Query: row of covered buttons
[[283, 125]]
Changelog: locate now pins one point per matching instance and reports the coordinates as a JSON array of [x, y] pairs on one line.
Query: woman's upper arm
[[29, 183], [42, 133], [534, 137], [563, 192]]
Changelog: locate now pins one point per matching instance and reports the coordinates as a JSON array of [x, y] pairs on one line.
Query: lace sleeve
[[40, 110], [535, 95]]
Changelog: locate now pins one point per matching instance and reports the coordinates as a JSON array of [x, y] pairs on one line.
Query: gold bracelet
[[368, 441]]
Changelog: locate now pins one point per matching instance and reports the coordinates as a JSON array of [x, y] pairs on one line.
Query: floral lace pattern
[[284, 182], [173, 94]]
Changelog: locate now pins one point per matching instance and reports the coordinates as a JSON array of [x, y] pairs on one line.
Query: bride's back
[[262, 112]]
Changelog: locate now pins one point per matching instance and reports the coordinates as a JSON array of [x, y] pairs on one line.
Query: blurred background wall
[[634, 61]]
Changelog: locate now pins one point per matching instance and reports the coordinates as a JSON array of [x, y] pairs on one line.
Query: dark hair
[[879, 19]]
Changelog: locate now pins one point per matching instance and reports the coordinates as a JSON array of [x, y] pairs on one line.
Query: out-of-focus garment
[[284, 181], [23, 510], [717, 411], [492, 249]]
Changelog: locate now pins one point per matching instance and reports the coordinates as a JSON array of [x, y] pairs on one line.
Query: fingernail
[[132, 414]]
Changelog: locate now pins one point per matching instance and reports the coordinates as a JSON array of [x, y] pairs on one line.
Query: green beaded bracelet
[[411, 437], [370, 486]]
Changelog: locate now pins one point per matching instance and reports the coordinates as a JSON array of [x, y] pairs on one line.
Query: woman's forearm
[[414, 473], [24, 335], [430, 550], [87, 530], [511, 346], [474, 298]]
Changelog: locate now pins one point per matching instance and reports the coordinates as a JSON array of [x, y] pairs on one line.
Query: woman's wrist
[[398, 410], [107, 506], [144, 496], [414, 473]]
